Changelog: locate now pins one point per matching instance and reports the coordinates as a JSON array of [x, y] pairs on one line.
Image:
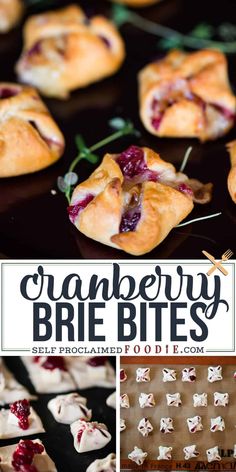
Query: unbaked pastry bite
[[165, 453], [190, 452], [214, 374], [111, 400], [145, 427], [124, 401], [217, 424], [189, 374], [166, 425], [122, 425], [169, 375], [19, 420], [49, 374], [232, 173], [30, 140], [10, 14], [142, 374], [133, 200], [199, 399], [187, 95], [195, 424], [68, 408], [64, 50], [28, 455], [137, 455], [10, 389], [89, 436], [123, 375], [173, 399], [213, 454], [146, 400], [221, 399], [90, 372], [108, 464]]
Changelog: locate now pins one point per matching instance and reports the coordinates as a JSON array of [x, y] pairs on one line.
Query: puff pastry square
[[30, 140], [64, 50], [133, 200], [10, 14], [187, 95], [11, 427], [34, 449]]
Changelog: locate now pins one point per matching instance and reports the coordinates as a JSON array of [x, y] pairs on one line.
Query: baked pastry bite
[[64, 50], [133, 200], [124, 401], [187, 95], [169, 375], [108, 464], [221, 399], [166, 425], [195, 424], [173, 399], [145, 427], [111, 400], [19, 420], [189, 374], [199, 399], [89, 436], [122, 425], [142, 374], [213, 454], [28, 453], [123, 375], [137, 455], [10, 14], [190, 452], [232, 174], [165, 453], [217, 424], [146, 400], [68, 408], [30, 140], [214, 374]]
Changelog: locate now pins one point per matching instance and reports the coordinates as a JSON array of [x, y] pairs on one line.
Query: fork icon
[[225, 257]]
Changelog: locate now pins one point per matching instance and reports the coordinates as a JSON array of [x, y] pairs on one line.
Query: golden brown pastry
[[187, 95], [29, 137], [133, 200], [137, 3], [10, 14], [232, 174], [63, 50]]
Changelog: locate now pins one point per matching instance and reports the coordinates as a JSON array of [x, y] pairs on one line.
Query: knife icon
[[212, 259]]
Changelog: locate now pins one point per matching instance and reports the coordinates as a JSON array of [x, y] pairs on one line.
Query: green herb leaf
[[117, 123], [227, 31], [80, 143], [170, 43], [203, 31], [120, 15]]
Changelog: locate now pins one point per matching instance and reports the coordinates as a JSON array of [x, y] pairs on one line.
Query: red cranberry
[[185, 189], [130, 220], [21, 409], [97, 361], [36, 359], [132, 164], [8, 92], [122, 374], [79, 435], [24, 454], [36, 49], [74, 210], [54, 362]]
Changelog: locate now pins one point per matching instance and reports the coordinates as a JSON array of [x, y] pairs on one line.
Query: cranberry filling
[[24, 454], [122, 374], [105, 41], [185, 189], [8, 92], [21, 409], [130, 219], [74, 210], [79, 435], [228, 114], [132, 164], [36, 49], [54, 362], [97, 361]]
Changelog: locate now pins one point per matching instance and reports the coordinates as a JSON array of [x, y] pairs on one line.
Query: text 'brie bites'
[[166, 425], [124, 401], [189, 374], [26, 453], [221, 399], [137, 455], [89, 436], [19, 420], [169, 375], [217, 424], [190, 452], [68, 408], [10, 389], [142, 374], [146, 400], [214, 374], [122, 425], [30, 138], [200, 399], [232, 173], [195, 424], [64, 50], [213, 454], [173, 399], [10, 14], [164, 453], [133, 200], [187, 95], [108, 464], [145, 427]]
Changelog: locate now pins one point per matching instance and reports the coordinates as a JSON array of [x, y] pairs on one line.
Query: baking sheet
[[181, 437], [58, 439], [34, 223]]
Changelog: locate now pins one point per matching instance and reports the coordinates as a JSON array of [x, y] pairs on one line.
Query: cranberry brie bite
[[137, 455], [133, 200], [26, 456], [30, 140], [232, 173], [10, 14], [19, 420], [68, 408], [64, 50], [49, 374], [187, 95], [89, 436], [108, 464]]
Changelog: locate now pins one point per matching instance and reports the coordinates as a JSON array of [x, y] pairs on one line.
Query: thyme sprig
[[122, 128], [200, 37]]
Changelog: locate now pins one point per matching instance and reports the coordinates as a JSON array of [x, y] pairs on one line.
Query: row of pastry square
[[188, 374], [150, 400]]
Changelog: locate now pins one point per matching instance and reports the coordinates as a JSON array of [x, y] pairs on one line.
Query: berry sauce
[[21, 409], [132, 164], [130, 219], [23, 456], [185, 189], [74, 210]]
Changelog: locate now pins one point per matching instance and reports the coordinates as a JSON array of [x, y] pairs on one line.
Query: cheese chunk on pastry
[[10, 14], [133, 200], [64, 50], [187, 95], [30, 140]]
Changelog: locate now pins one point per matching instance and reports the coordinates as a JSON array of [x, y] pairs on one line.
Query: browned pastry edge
[[11, 12], [232, 174]]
